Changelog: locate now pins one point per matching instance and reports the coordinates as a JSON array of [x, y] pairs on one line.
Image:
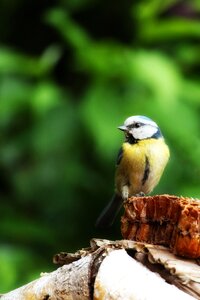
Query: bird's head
[[139, 128]]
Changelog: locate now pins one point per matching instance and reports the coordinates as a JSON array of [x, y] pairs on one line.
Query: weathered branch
[[112, 269], [126, 269], [68, 282]]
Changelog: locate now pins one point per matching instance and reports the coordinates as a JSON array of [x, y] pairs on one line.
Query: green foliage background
[[71, 71]]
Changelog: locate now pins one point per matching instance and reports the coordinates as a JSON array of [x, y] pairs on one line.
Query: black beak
[[123, 128]]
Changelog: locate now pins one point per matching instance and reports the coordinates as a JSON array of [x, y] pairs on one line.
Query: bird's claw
[[140, 194]]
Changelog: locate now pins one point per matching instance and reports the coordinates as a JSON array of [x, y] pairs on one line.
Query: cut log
[[166, 220], [121, 277], [137, 268], [115, 270]]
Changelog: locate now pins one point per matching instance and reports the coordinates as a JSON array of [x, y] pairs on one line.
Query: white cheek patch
[[143, 132]]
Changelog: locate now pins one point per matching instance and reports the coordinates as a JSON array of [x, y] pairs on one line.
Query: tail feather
[[109, 213]]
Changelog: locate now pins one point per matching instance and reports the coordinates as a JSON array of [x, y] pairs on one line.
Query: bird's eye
[[137, 125]]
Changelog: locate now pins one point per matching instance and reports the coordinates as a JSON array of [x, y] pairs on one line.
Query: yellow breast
[[141, 166]]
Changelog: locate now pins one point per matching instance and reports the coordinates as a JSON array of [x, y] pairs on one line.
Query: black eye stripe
[[136, 125]]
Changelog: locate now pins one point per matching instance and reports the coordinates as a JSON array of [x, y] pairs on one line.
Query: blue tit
[[140, 164]]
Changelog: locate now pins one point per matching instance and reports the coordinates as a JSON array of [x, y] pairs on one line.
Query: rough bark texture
[[103, 271], [166, 220], [68, 282], [125, 269]]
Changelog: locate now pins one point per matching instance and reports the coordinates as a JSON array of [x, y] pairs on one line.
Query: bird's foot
[[140, 194]]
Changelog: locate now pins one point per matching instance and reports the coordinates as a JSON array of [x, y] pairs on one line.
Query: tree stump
[[127, 269]]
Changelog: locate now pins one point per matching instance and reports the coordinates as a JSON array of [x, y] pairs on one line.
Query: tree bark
[[68, 282], [115, 270]]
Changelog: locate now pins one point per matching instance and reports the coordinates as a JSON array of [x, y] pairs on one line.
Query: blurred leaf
[[15, 97], [55, 130], [50, 57], [171, 29], [17, 63], [149, 10], [60, 19], [188, 55], [191, 93], [45, 97], [12, 62], [158, 73]]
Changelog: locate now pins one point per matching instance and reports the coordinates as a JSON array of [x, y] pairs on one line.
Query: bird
[[140, 163]]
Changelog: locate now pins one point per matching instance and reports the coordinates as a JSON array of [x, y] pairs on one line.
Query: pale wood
[[121, 277], [69, 282], [106, 269]]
